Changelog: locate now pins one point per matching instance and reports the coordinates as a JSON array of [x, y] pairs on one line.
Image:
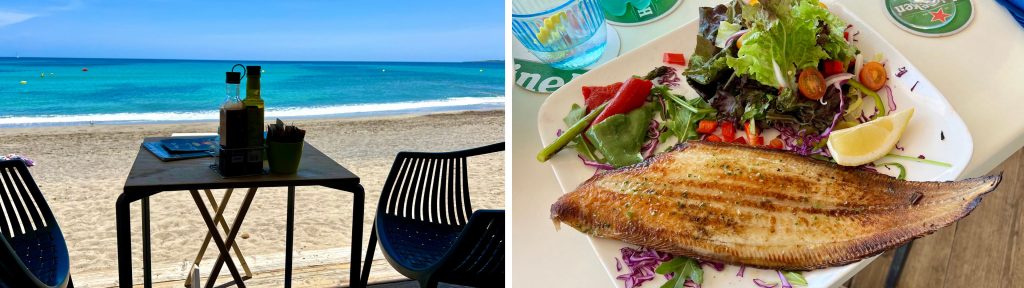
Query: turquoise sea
[[57, 91]]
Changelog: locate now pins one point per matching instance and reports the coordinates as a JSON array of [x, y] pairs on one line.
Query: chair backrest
[[431, 187], [33, 244]]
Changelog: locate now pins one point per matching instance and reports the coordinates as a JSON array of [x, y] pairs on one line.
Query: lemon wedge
[[870, 141]]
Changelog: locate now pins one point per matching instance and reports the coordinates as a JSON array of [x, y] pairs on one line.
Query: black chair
[[427, 227], [33, 253]]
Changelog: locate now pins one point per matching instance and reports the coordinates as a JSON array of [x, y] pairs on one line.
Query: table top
[[977, 70], [149, 174]]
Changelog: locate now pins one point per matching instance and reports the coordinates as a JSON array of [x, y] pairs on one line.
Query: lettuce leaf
[[787, 32], [779, 34]]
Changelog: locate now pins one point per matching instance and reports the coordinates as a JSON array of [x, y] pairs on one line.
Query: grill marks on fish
[[761, 208]]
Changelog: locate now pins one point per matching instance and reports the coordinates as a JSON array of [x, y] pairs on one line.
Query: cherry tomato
[[872, 75], [811, 84]]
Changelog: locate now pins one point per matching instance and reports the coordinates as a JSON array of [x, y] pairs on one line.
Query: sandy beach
[[81, 171]]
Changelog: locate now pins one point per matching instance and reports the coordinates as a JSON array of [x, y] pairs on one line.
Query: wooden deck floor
[[985, 249]]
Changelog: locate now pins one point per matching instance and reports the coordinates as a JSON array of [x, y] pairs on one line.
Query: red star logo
[[939, 16]]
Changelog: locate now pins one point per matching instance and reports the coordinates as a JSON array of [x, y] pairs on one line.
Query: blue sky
[[363, 30]]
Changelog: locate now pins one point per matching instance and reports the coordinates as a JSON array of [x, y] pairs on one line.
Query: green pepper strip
[[919, 160], [567, 137], [878, 99], [903, 170]]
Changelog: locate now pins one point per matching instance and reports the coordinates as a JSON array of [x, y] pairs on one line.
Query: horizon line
[[251, 60]]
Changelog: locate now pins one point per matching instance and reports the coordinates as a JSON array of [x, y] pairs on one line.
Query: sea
[[72, 91]]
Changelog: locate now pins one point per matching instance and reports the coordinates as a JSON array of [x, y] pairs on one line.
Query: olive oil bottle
[[253, 105]]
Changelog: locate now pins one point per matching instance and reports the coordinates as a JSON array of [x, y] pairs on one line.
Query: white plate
[[933, 115]]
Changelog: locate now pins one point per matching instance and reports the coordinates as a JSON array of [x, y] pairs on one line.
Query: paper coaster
[[930, 18]]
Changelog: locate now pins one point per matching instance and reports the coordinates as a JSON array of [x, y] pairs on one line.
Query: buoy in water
[[383, 70], [42, 75], [85, 69], [23, 82]]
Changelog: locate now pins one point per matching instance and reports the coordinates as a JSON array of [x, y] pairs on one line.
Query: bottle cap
[[252, 71], [234, 78]]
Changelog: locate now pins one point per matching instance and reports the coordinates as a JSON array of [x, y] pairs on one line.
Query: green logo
[[635, 12], [540, 77], [931, 17]]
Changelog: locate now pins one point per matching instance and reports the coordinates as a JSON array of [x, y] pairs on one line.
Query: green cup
[[284, 157]]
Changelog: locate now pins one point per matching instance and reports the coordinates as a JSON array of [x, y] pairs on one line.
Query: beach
[[81, 171]]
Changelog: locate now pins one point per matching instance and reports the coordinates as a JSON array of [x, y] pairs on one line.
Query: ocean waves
[[350, 110]]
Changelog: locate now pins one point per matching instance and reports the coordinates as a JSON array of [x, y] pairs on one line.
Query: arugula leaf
[[670, 266], [620, 137], [582, 147], [683, 115], [795, 278], [684, 268]]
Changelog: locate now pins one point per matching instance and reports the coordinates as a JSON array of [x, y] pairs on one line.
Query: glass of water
[[565, 34]]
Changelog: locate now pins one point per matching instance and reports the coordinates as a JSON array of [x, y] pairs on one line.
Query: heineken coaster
[[534, 75], [930, 18], [636, 12]]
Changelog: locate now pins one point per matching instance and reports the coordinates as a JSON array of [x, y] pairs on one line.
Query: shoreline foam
[[453, 104]]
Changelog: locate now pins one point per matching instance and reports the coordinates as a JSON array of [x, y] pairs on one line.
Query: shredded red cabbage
[[839, 114], [670, 78], [654, 133], [559, 132], [618, 264], [595, 164], [760, 283], [803, 142], [915, 86], [785, 282], [742, 269], [653, 130], [641, 264], [892, 101], [902, 70], [690, 284], [717, 266], [898, 147], [920, 156]]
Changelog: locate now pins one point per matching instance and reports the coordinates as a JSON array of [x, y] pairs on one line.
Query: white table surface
[[980, 70]]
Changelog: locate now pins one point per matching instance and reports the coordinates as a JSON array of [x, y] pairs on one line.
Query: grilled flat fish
[[762, 208]]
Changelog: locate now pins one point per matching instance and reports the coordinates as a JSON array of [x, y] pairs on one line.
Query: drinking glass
[[565, 34]]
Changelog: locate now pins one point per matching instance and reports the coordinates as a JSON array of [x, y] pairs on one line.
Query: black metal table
[[150, 176]]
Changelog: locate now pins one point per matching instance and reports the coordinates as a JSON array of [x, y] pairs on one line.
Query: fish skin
[[762, 208]]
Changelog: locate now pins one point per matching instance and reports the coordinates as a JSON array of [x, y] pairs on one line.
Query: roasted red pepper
[[594, 96], [674, 58], [713, 138], [630, 96]]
